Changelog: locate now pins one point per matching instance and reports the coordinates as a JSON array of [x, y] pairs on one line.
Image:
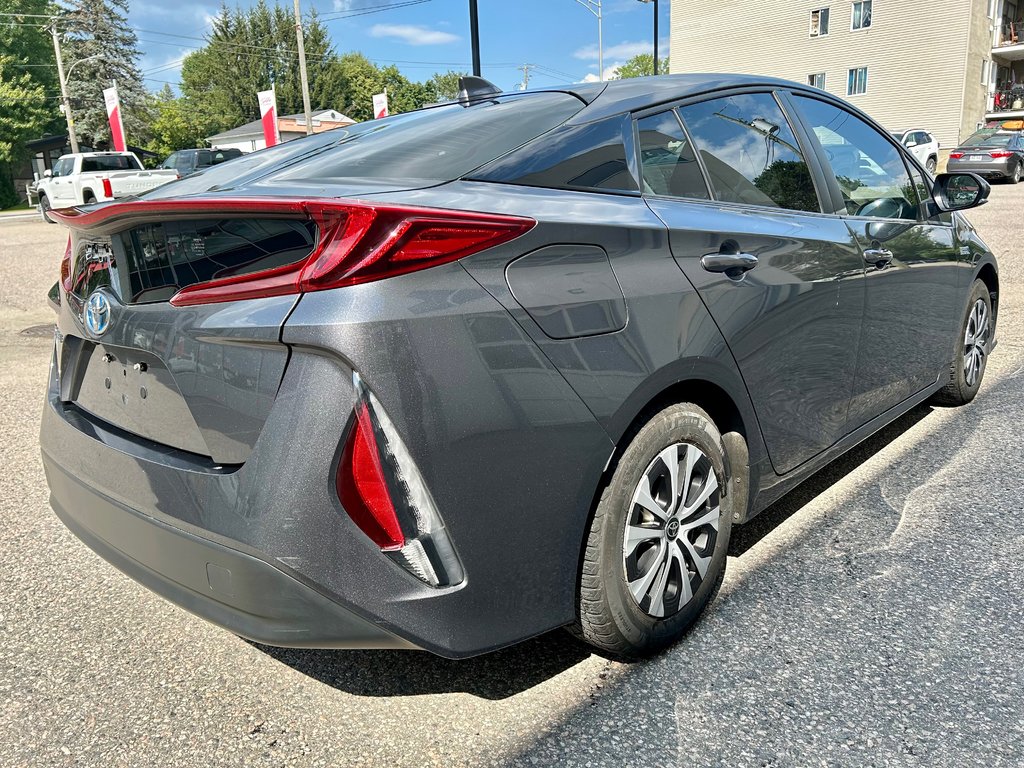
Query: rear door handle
[[733, 265], [878, 256]]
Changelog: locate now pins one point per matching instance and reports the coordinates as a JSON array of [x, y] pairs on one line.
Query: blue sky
[[559, 36]]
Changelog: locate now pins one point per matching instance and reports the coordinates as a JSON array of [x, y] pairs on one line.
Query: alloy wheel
[[671, 529], [976, 342]]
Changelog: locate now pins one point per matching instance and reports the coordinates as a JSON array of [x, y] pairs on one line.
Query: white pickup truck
[[96, 177]]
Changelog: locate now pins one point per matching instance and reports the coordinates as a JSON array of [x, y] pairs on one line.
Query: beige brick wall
[[923, 56]]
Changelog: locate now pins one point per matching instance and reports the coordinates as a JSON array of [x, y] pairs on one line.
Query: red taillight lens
[[956, 155], [65, 267], [108, 190], [362, 486], [357, 243], [1000, 154]]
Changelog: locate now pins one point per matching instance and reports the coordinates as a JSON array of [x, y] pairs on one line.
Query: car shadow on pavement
[[496, 675], [746, 536]]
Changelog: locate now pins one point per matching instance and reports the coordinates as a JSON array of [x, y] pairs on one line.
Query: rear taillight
[[108, 190], [384, 494], [956, 155], [65, 267], [357, 243], [999, 154]]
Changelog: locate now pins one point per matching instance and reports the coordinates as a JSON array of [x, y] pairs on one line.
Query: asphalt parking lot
[[871, 618]]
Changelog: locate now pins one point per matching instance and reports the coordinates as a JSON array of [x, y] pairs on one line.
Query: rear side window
[[155, 261], [440, 144], [667, 159], [750, 152], [105, 163], [587, 157]]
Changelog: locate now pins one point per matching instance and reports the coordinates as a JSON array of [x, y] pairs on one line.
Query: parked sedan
[[922, 145], [993, 154], [460, 376]]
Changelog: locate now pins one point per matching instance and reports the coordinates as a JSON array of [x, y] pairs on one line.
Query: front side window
[[870, 171], [750, 152], [861, 15], [857, 81], [668, 161], [169, 162], [817, 80], [819, 22]]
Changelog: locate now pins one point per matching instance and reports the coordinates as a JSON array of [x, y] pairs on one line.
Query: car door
[[62, 188], [912, 303], [729, 178]]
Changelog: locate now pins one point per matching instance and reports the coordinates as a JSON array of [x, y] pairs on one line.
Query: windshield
[[103, 163], [989, 139], [437, 144]]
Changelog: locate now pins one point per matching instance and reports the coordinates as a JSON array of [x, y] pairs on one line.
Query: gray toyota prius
[[460, 376]]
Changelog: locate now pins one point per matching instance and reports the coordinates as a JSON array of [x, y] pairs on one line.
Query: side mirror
[[47, 173], [960, 191]]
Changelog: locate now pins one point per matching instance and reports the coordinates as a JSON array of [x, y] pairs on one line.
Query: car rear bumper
[[997, 169], [235, 590]]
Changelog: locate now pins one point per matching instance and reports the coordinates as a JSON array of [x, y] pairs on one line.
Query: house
[[945, 67], [249, 137]]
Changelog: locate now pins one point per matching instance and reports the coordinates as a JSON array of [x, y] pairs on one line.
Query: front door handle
[[734, 265], [880, 257]]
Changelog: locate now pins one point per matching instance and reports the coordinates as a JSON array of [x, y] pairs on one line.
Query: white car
[[95, 177], [922, 145]]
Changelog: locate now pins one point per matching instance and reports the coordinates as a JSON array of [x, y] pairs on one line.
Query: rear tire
[[931, 165], [88, 199], [656, 548], [968, 367], [44, 208], [1014, 178]]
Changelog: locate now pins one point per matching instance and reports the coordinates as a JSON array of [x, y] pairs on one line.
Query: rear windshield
[[109, 163], [989, 140], [439, 144]]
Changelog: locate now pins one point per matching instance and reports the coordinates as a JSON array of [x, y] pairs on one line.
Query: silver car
[[995, 154]]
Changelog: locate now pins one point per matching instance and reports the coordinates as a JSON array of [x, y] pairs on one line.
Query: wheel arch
[[988, 275]]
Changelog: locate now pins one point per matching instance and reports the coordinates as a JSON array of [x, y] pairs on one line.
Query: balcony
[[1010, 41], [1007, 104]]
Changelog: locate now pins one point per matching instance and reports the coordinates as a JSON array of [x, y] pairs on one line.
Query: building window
[[817, 80], [819, 22], [857, 81], [861, 15]]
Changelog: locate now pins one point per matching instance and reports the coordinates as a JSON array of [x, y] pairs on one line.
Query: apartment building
[[946, 66]]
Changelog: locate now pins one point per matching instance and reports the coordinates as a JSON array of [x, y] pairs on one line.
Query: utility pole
[[594, 6], [525, 69], [655, 33], [302, 69], [72, 138], [474, 35]]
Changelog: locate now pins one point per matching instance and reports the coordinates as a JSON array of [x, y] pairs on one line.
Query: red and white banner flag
[[268, 114], [380, 105], [114, 116]]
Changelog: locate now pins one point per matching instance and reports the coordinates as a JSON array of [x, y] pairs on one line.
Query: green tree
[[178, 123], [253, 49], [25, 110], [360, 79], [100, 28], [444, 86], [641, 65]]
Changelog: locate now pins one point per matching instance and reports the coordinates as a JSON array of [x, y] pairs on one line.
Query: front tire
[[931, 165], [656, 549], [973, 344], [44, 208]]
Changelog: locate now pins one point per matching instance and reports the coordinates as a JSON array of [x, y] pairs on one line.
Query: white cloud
[[610, 73], [622, 51], [413, 35], [343, 5]]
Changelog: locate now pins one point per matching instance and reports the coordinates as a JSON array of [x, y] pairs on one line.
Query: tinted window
[[993, 140], [750, 152], [923, 188], [870, 171], [169, 162], [587, 157], [223, 155], [156, 260], [105, 163], [184, 162], [438, 144], [667, 159]]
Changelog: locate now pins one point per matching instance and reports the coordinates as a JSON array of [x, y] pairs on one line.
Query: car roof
[[616, 96]]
